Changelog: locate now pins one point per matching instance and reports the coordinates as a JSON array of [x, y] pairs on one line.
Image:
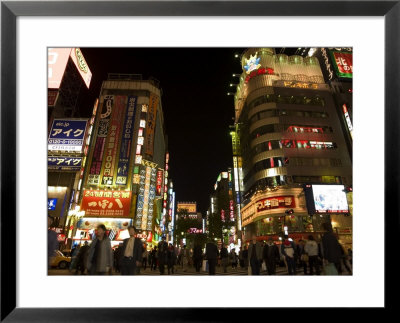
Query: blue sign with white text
[[67, 134], [51, 204]]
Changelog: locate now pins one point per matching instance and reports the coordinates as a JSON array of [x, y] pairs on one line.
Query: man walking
[[100, 255], [288, 250], [330, 248], [271, 255], [162, 254], [255, 256], [212, 256], [131, 253]]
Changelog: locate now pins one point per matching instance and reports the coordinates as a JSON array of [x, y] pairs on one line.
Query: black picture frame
[[10, 10]]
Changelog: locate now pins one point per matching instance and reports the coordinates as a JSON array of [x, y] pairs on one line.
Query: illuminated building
[[287, 134], [126, 159]]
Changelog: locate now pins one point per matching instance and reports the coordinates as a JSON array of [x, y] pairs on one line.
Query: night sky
[[197, 109]]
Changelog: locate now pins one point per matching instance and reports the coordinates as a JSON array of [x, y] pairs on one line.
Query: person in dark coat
[[212, 256], [224, 258], [153, 265], [271, 256], [131, 253], [197, 257], [80, 258], [331, 250], [171, 258], [117, 257], [255, 255], [245, 257], [52, 241], [162, 254]]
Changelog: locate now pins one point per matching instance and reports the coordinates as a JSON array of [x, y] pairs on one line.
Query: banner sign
[[140, 199], [275, 202], [343, 63], [231, 211], [151, 123], [64, 163], [159, 186], [102, 131], [113, 140], [126, 143], [106, 203], [67, 135]]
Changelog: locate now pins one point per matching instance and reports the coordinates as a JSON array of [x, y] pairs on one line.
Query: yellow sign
[[301, 85]]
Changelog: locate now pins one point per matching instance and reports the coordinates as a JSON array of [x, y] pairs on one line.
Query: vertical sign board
[[67, 135], [146, 197], [343, 63], [140, 199], [159, 187], [81, 65], [110, 152], [102, 131], [57, 59], [151, 123], [152, 193], [126, 142]]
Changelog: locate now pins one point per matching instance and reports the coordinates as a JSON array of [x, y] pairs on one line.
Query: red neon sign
[[260, 71]]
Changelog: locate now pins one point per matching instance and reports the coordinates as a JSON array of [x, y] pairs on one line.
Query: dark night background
[[197, 109]]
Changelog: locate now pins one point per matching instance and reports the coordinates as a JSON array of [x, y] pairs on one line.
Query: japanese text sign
[[81, 65], [343, 63], [151, 123], [67, 135], [275, 202], [106, 203], [64, 163]]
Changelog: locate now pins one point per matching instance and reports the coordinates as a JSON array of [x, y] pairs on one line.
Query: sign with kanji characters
[[343, 63], [67, 135], [151, 123], [64, 163], [275, 202], [126, 142], [101, 135], [159, 187], [106, 203], [111, 146]]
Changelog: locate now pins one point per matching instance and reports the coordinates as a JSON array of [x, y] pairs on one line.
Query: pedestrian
[[255, 256], [100, 258], [303, 256], [197, 257], [162, 254], [271, 256], [345, 259], [331, 250], [212, 256], [153, 265], [311, 249], [52, 241], [117, 258], [288, 251], [224, 258], [186, 257], [171, 258], [241, 263], [80, 262], [245, 257], [74, 256], [233, 258], [131, 253], [144, 257]]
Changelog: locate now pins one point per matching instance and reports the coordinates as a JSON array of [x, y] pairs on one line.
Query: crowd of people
[[327, 256]]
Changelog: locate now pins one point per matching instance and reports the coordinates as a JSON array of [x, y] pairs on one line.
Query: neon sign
[[327, 64], [301, 85], [260, 71], [347, 117]]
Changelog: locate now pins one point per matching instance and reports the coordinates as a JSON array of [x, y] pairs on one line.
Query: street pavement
[[190, 271]]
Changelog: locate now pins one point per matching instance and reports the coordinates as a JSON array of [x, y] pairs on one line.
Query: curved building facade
[[290, 136]]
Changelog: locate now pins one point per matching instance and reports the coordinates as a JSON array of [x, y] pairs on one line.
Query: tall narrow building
[[290, 137]]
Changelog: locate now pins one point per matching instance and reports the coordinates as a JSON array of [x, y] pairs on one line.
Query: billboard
[[111, 146], [57, 59], [343, 63], [326, 199], [190, 207], [64, 163], [151, 123], [80, 63], [275, 202], [67, 135], [106, 203], [126, 142], [102, 131]]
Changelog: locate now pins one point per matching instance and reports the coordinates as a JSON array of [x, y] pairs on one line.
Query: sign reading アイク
[[64, 163], [106, 203], [126, 142], [67, 135], [275, 202], [151, 123]]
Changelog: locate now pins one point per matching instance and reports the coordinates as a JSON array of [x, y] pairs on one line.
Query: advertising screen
[[81, 65], [329, 199], [67, 135], [57, 59]]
